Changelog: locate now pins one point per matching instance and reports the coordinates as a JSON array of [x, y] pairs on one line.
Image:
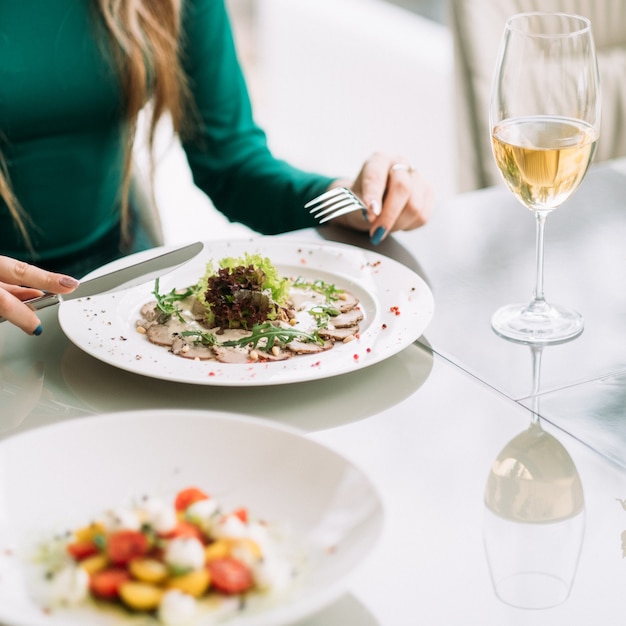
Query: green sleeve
[[228, 153]]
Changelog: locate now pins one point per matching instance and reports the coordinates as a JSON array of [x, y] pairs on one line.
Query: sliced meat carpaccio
[[278, 354], [308, 347], [339, 334], [347, 301], [168, 332], [150, 313], [349, 318], [164, 334], [231, 354], [192, 350]]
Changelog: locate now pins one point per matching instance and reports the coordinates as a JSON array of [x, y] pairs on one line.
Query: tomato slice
[[80, 550], [229, 575], [125, 545], [184, 528], [242, 514], [106, 583], [187, 497]]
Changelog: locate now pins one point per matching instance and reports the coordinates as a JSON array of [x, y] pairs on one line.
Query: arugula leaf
[[328, 290], [322, 313], [267, 331], [166, 303], [207, 339], [272, 334]]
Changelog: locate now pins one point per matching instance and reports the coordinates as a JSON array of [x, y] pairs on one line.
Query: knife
[[124, 278]]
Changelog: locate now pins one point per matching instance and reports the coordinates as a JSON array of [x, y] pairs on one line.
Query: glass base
[[533, 590], [537, 323]]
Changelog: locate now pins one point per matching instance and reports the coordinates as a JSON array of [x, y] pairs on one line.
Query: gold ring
[[402, 166]]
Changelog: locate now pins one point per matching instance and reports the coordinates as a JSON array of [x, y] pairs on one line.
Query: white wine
[[543, 159]]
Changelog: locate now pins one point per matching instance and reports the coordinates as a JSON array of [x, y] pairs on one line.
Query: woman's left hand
[[396, 197]]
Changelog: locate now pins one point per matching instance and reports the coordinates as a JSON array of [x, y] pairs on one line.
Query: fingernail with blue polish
[[38, 330], [378, 235]]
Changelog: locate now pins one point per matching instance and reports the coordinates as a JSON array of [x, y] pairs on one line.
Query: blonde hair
[[145, 39]]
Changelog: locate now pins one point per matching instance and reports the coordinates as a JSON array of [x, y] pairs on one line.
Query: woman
[[74, 76]]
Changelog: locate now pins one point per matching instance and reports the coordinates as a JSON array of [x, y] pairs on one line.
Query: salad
[[173, 561], [242, 310]]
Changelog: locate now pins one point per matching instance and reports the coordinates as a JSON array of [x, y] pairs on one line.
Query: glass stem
[[536, 352], [539, 301]]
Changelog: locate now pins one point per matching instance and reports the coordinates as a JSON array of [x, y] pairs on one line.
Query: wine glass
[[544, 118]]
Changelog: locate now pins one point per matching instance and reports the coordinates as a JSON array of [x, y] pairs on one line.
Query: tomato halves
[[187, 497], [106, 583], [80, 550], [229, 575], [184, 528], [125, 545]]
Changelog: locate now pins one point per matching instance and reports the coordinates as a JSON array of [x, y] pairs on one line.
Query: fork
[[333, 203]]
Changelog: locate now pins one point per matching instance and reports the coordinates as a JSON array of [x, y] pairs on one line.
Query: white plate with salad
[[393, 303], [201, 517]]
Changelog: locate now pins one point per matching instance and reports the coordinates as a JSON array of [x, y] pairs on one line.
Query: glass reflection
[[534, 515], [21, 386]]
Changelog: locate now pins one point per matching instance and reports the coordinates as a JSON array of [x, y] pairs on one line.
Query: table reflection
[[321, 404], [534, 518], [50, 379], [21, 386], [346, 610]]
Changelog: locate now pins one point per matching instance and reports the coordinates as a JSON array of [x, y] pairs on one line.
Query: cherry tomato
[[187, 497], [184, 528], [242, 514], [80, 550], [125, 545], [106, 583], [229, 575]]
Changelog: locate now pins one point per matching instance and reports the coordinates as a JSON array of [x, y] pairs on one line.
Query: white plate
[[57, 477], [397, 303]]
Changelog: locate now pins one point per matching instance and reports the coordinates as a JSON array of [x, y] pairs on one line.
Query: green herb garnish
[[207, 339], [328, 290], [267, 331], [322, 313], [272, 334], [167, 303]]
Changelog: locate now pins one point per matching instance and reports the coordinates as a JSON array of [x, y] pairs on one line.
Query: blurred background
[[331, 81]]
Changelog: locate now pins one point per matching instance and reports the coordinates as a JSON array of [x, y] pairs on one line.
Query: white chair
[[145, 208], [477, 26]]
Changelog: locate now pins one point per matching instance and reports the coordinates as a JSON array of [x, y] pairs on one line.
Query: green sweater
[[60, 120]]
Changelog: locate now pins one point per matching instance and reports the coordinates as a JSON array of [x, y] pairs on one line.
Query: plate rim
[[374, 258]]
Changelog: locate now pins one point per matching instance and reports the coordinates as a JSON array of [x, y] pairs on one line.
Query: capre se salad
[[174, 561], [243, 311]]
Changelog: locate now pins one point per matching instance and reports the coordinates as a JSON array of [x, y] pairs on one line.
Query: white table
[[426, 424]]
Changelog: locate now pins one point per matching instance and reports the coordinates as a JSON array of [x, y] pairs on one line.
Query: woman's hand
[[396, 197], [20, 281]]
